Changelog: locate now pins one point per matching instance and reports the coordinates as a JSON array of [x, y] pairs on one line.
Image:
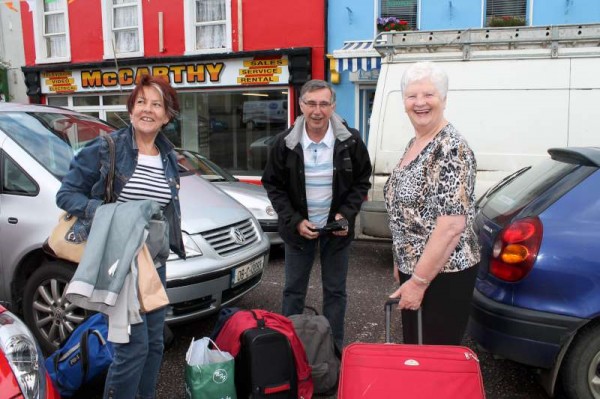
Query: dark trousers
[[445, 309], [333, 252]]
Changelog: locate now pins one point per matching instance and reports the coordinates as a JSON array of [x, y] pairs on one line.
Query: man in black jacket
[[317, 172]]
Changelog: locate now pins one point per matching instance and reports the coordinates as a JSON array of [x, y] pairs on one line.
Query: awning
[[355, 55]]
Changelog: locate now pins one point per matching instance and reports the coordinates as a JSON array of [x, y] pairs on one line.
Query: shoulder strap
[[260, 323], [110, 179]]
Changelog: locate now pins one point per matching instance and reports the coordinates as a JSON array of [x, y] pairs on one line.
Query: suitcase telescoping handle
[[388, 321]]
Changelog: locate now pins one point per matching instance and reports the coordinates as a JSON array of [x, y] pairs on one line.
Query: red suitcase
[[393, 371]]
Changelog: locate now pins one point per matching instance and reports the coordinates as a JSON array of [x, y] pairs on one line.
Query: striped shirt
[[148, 182], [318, 172]]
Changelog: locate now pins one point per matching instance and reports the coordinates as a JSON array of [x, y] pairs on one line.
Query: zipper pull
[[470, 356]]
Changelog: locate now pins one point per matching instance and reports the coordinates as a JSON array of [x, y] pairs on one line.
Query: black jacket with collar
[[284, 180]]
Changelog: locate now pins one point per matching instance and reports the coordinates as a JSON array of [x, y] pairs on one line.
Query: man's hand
[[340, 233], [304, 229]]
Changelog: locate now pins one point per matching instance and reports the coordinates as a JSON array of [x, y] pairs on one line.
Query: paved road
[[370, 281]]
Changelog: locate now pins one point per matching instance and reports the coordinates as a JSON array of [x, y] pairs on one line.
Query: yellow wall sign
[[262, 70], [59, 82], [243, 71]]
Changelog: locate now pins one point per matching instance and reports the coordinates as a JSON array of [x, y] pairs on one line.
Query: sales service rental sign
[[248, 71]]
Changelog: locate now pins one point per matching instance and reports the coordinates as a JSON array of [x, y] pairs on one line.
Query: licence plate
[[244, 272]]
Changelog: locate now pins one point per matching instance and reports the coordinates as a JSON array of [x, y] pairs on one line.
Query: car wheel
[[581, 368], [48, 313]]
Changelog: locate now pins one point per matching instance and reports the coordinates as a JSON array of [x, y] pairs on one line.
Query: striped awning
[[355, 55]]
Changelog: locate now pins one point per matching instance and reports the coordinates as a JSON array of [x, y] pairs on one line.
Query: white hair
[[426, 70]]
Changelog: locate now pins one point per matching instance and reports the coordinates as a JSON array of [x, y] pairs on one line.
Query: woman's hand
[[410, 294]]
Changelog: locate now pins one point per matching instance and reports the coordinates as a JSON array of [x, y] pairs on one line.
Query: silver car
[[251, 196], [226, 248]]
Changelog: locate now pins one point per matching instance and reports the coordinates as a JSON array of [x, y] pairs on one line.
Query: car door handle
[[13, 220]]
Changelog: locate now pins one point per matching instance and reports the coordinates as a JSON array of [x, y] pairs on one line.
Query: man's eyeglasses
[[314, 104]]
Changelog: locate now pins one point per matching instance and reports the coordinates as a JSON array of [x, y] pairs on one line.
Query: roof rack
[[468, 41]]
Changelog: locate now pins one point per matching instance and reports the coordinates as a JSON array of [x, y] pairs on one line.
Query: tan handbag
[[151, 292], [61, 242]]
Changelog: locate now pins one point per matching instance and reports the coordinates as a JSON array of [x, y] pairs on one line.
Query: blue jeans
[[140, 357], [333, 253]]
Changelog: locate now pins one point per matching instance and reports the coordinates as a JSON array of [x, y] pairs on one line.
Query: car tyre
[[581, 368], [47, 312]]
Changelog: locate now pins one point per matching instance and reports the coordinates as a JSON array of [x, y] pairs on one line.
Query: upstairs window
[[506, 12], [404, 10], [123, 34], [208, 26], [51, 30]]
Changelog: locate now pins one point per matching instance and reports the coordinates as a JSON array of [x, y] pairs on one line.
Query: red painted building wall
[[266, 25]]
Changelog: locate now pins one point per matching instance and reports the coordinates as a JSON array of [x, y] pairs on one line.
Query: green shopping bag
[[208, 372]]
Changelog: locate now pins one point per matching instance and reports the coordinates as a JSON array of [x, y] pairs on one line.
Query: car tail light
[[516, 249]]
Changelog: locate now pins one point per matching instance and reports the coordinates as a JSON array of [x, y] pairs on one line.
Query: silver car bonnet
[[204, 207]]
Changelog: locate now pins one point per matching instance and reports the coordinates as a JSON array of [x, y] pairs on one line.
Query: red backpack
[[229, 339]]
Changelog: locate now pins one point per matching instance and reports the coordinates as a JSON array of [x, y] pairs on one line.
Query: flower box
[[506, 21], [387, 24]]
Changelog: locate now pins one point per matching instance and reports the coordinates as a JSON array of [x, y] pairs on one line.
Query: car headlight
[[23, 355], [191, 248], [271, 211]]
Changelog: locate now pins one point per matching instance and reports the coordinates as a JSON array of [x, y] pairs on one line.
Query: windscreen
[[52, 138], [509, 197]]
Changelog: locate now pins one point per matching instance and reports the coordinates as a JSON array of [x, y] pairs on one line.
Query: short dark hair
[[317, 84], [167, 92]]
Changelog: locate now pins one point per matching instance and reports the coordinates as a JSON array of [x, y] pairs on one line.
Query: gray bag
[[323, 355]]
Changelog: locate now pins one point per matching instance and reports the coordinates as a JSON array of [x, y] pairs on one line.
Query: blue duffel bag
[[81, 357]]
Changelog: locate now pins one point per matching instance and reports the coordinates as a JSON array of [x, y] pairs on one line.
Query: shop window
[[506, 12], [404, 10], [51, 31], [122, 25], [83, 101], [208, 26], [58, 101], [231, 128]]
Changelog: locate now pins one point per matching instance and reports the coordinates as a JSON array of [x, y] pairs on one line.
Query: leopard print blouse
[[439, 181]]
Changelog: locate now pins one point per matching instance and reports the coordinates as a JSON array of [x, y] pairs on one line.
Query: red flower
[[402, 22]]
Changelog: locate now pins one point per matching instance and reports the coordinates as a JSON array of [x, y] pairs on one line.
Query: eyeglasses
[[314, 104]]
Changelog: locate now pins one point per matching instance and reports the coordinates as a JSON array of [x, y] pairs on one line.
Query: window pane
[[126, 41], [15, 180], [116, 2], [56, 46], [502, 8], [212, 36], [118, 119], [95, 114], [125, 17], [506, 13], [115, 99], [231, 128], [58, 101], [55, 23], [57, 5], [83, 101], [210, 10], [402, 9]]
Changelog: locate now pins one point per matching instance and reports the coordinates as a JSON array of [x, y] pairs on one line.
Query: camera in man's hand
[[338, 225]]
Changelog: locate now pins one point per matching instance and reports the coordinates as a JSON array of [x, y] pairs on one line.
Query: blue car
[[537, 295]]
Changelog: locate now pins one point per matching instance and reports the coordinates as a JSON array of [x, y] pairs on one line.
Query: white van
[[259, 113], [513, 93]]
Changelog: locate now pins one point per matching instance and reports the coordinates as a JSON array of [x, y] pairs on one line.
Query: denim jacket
[[82, 190]]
